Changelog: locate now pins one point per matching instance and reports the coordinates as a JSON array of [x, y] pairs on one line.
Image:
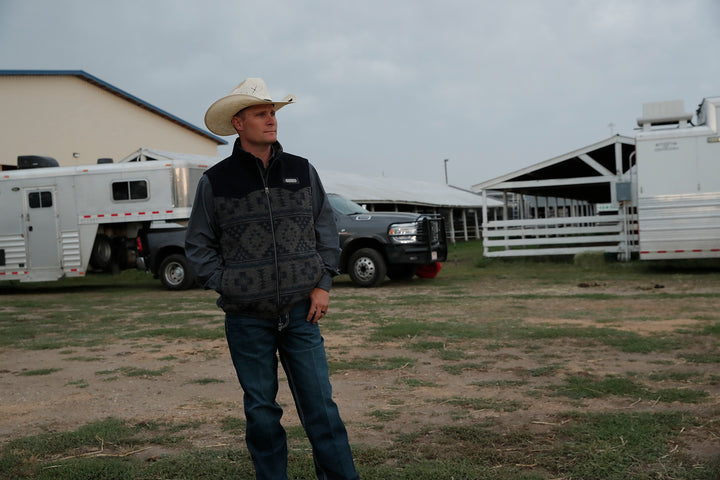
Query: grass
[[578, 387], [477, 403], [207, 381], [385, 415], [509, 330], [39, 371], [581, 445], [503, 338], [618, 446], [136, 372], [370, 363]]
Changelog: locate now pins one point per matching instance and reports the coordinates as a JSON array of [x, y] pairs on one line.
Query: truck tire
[[174, 273], [401, 272], [367, 268]]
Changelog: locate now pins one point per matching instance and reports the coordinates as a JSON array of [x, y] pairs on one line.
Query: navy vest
[[267, 237]]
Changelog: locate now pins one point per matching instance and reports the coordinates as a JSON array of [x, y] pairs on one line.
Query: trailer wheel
[[174, 273], [101, 256], [367, 268]]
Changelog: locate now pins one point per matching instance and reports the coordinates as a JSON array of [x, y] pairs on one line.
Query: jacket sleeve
[[326, 235], [202, 239]]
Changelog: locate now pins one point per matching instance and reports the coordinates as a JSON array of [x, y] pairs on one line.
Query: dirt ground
[[79, 392]]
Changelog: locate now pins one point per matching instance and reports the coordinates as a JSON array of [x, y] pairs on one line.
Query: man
[[262, 234]]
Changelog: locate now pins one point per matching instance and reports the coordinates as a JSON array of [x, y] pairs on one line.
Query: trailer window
[[40, 199], [131, 190]]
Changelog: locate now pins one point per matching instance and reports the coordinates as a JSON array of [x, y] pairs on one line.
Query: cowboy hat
[[252, 91]]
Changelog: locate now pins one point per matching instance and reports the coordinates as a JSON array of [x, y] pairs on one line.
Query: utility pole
[[446, 178]]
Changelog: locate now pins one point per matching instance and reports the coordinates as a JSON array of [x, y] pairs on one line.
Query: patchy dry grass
[[522, 370]]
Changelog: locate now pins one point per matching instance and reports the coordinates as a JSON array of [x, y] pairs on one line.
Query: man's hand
[[319, 301]]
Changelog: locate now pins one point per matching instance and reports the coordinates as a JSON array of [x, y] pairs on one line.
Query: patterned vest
[[267, 237]]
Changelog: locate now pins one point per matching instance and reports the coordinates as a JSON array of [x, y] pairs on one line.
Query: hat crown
[[252, 91], [253, 87]]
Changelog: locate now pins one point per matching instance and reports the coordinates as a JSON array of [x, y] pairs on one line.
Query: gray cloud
[[392, 88]]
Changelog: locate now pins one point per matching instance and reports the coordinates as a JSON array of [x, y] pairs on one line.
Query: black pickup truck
[[373, 245]]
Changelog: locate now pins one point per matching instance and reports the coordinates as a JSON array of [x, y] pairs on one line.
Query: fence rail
[[560, 235]]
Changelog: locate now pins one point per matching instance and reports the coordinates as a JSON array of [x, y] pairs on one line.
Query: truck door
[[40, 230]]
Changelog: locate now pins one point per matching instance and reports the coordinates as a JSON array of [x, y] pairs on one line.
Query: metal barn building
[[77, 118]]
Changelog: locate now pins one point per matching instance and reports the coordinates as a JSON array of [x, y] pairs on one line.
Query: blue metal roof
[[120, 93]]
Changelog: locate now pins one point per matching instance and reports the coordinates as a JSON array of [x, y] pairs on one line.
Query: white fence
[[561, 236]]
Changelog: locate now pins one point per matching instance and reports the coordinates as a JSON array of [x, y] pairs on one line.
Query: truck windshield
[[344, 206]]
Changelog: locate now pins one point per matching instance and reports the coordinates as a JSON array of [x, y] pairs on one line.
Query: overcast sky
[[392, 87]]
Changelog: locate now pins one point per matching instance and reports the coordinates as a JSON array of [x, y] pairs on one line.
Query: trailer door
[[41, 225]]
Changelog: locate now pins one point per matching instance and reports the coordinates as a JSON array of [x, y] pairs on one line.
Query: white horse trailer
[[678, 181], [60, 222]]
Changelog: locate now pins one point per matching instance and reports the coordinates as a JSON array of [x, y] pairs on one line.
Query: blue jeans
[[254, 347]]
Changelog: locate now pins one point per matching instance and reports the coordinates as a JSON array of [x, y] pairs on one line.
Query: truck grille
[[432, 233]]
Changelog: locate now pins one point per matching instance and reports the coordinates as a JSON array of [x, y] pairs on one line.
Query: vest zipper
[[264, 175]]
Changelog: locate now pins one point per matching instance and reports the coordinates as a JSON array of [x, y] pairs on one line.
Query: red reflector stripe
[[695, 250]]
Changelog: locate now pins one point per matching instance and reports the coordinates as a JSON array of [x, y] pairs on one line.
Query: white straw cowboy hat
[[252, 91]]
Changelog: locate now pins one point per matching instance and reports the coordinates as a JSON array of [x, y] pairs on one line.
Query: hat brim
[[218, 117]]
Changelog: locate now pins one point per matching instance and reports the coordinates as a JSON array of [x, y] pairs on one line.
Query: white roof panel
[[367, 189]]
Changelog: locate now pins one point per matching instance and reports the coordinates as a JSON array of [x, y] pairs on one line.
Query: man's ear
[[237, 123]]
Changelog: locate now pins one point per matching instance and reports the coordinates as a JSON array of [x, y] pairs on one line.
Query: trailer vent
[[664, 113], [36, 161]]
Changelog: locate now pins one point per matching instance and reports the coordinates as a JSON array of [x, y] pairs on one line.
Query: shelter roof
[[583, 174]]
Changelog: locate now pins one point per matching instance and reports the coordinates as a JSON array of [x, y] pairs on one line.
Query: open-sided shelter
[[579, 201]]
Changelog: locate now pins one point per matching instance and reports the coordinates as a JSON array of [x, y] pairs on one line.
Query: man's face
[[256, 125]]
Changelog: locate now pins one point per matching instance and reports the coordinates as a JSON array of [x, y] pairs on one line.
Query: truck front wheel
[[367, 268], [174, 273]]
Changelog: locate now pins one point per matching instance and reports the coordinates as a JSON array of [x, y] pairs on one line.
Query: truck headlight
[[403, 232]]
